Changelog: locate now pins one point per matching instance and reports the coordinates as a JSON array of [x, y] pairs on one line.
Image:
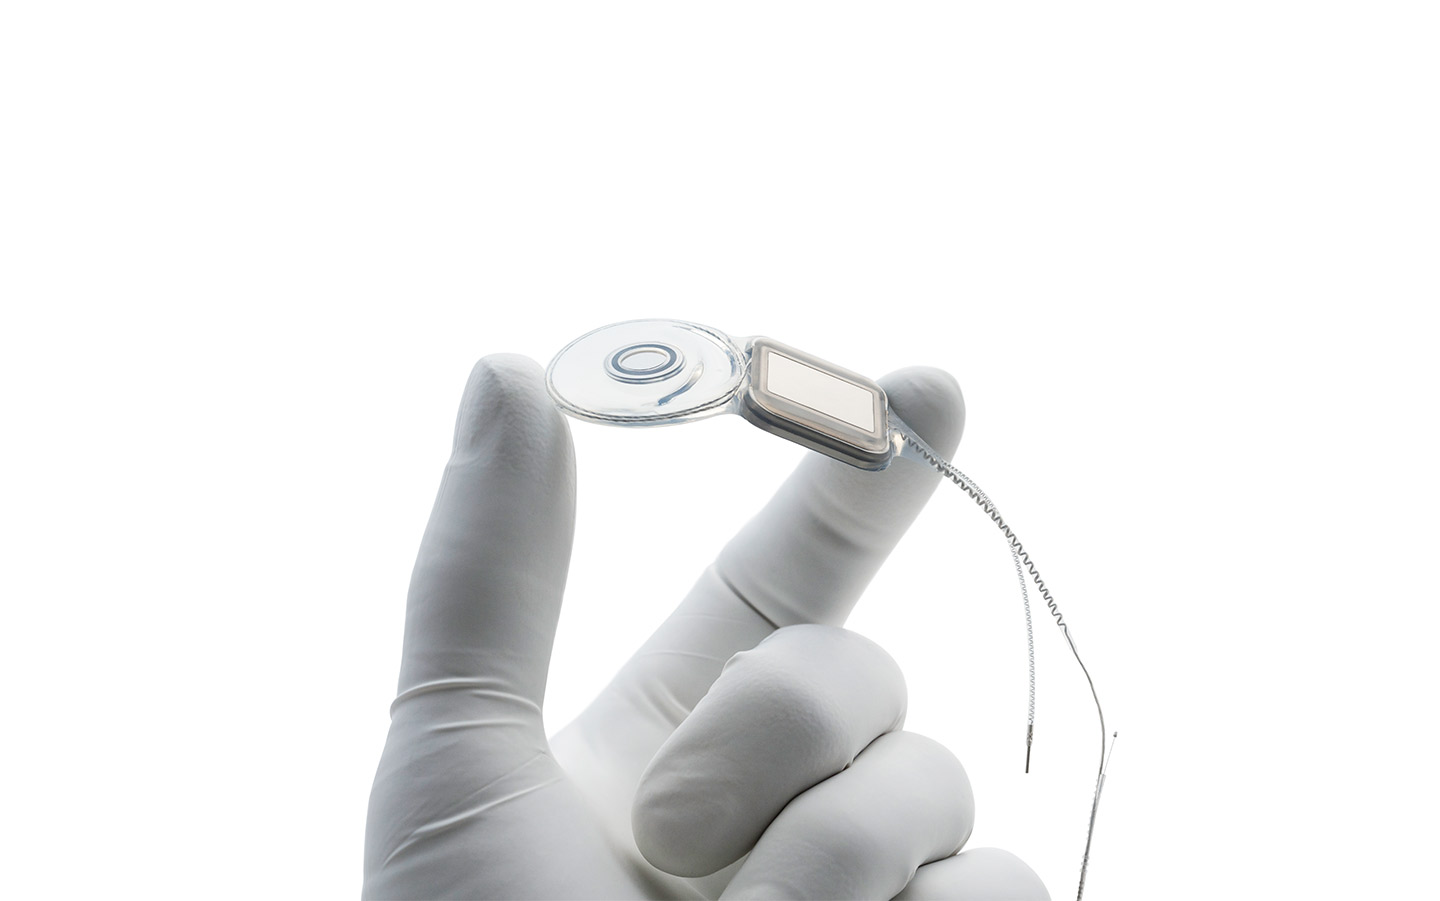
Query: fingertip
[[929, 400], [506, 408]]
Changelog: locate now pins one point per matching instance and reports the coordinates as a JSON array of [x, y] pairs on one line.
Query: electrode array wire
[[912, 446]]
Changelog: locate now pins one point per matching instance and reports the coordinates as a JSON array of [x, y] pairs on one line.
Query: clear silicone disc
[[647, 372]]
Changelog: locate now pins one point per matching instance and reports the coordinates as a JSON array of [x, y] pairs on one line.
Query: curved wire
[[1021, 556], [984, 500]]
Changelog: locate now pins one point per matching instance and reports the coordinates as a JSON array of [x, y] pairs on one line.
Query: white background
[[1182, 259]]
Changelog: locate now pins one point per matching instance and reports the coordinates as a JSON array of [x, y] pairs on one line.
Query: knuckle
[[821, 683], [827, 649]]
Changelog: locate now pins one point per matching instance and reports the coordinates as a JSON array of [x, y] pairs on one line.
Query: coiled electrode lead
[[913, 446]]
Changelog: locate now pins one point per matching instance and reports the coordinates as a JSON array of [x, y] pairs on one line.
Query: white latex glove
[[751, 748]]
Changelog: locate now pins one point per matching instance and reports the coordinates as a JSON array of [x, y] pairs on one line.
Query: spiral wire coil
[[1023, 565]]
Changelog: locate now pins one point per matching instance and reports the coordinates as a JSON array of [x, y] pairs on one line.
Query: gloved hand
[[751, 748]]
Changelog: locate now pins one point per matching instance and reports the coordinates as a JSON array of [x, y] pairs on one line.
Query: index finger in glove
[[485, 593]]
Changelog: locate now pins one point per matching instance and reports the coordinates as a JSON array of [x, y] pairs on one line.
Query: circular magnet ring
[[622, 364]]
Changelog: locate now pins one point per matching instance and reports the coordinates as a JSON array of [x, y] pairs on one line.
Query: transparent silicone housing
[[647, 372]]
